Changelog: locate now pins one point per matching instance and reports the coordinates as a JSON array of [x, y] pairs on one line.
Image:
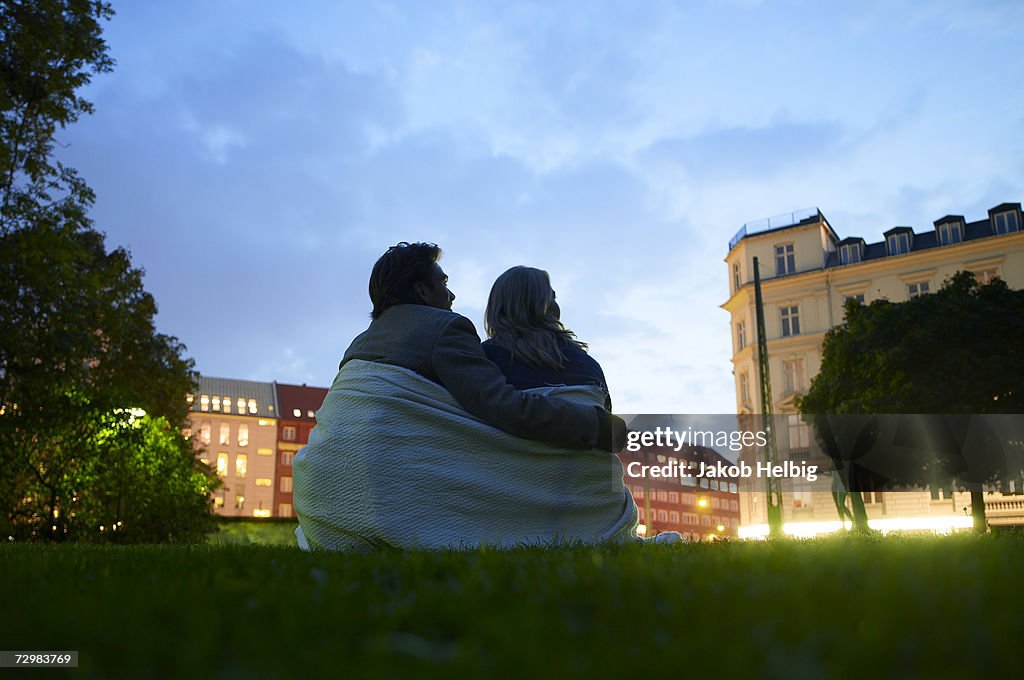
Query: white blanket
[[394, 461]]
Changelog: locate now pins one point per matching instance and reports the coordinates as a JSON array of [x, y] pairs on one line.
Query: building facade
[[298, 404], [233, 426], [807, 273]]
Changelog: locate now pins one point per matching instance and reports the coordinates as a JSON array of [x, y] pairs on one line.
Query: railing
[[776, 222]]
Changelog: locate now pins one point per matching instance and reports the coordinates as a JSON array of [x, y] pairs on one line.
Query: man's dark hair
[[397, 271]]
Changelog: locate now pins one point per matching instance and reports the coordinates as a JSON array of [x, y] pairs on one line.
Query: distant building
[[299, 405], [699, 509], [807, 273], [234, 423]]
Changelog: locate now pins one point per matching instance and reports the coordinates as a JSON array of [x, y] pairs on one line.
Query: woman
[[527, 339]]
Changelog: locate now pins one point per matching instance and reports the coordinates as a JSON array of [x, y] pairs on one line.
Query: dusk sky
[[256, 158]]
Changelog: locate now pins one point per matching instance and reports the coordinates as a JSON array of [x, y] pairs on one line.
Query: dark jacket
[[579, 369], [444, 347]]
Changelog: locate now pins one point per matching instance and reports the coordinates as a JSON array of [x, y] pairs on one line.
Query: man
[[413, 327]]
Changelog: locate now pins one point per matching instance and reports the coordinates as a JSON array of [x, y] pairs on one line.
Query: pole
[[773, 487]]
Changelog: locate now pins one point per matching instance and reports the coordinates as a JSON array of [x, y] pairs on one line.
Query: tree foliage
[[957, 351], [78, 343]]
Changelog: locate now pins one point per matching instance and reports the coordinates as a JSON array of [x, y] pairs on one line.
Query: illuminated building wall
[[807, 273], [233, 425]]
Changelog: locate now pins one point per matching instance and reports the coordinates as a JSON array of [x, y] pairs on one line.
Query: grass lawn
[[892, 607]]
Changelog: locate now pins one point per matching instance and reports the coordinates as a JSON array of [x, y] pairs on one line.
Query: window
[[689, 499], [705, 521], [733, 505], [799, 433], [264, 481], [225, 433], [898, 243], [284, 510], [662, 516], [785, 261], [915, 289], [741, 335], [222, 464], [950, 233], [204, 433], [716, 503], [286, 484], [673, 517], [218, 501], [243, 434], [745, 388], [288, 433], [793, 370], [662, 496], [240, 405], [297, 412], [252, 406], [241, 465], [1006, 222], [736, 280], [859, 297], [239, 496], [986, 276], [227, 404], [673, 497], [286, 457], [204, 402], [849, 253], [790, 321], [638, 492], [216, 403], [311, 413]]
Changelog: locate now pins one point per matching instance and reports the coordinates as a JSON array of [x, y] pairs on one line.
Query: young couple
[[405, 452]]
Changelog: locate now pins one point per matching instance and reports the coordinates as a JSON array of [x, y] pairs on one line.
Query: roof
[[306, 400], [262, 394], [799, 218]]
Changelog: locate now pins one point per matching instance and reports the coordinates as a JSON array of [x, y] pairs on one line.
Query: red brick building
[[298, 405], [699, 508]]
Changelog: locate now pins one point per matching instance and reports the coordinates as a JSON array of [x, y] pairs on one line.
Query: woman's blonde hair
[[523, 317]]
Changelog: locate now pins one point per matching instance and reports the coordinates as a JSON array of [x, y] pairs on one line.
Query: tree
[[957, 351], [78, 343]]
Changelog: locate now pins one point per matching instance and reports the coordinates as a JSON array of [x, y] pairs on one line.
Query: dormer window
[[950, 233], [850, 253], [1005, 222], [898, 243]]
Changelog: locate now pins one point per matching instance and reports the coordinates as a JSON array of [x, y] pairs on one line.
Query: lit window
[[265, 452], [950, 233], [204, 461], [261, 512], [189, 399], [286, 457], [252, 406], [915, 289], [239, 496], [222, 464], [218, 501], [986, 276], [284, 510], [204, 402], [297, 412], [799, 433], [311, 413], [227, 404], [240, 405], [241, 465], [790, 321], [225, 433], [741, 335], [243, 434], [204, 433], [793, 370], [785, 260], [288, 433], [264, 481], [286, 484], [898, 243], [216, 403], [1006, 222]]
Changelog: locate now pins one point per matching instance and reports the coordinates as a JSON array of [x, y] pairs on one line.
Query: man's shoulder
[[423, 314]]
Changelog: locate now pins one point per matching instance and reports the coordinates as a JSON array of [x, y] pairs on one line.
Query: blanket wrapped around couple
[[394, 461]]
